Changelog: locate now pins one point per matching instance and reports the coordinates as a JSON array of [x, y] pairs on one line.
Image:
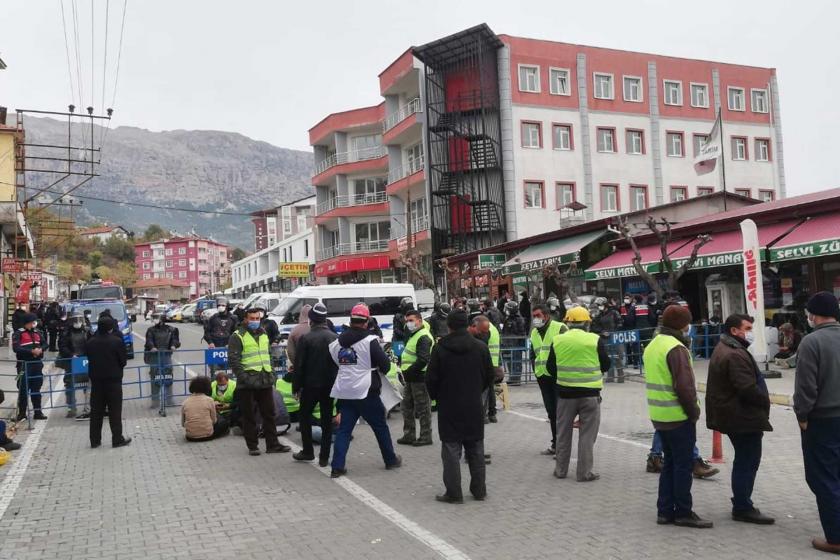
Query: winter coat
[[459, 371], [247, 379], [71, 342], [525, 309], [270, 328], [162, 337], [514, 325], [297, 333], [219, 328], [378, 358], [437, 325], [314, 366], [495, 316], [52, 317], [106, 356], [736, 395]]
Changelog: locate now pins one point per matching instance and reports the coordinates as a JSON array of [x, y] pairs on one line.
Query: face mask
[[537, 323], [626, 302], [553, 307], [221, 388], [749, 336], [411, 326], [811, 322], [253, 325], [222, 308], [78, 324]]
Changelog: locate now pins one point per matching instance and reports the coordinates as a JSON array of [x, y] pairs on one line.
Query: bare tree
[[560, 275], [662, 230], [414, 264]]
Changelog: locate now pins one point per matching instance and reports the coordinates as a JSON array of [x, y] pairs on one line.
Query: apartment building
[[203, 263], [485, 138], [281, 222]]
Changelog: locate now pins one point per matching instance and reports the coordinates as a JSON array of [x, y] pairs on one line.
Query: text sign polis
[[78, 365], [624, 337], [216, 356]]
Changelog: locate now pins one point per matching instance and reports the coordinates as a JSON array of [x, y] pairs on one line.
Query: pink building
[[204, 263]]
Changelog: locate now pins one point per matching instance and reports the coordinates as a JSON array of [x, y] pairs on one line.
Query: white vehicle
[[266, 300], [382, 299]]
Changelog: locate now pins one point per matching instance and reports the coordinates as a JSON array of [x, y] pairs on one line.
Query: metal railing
[[353, 249], [417, 225], [345, 201], [411, 107], [339, 158], [413, 166]]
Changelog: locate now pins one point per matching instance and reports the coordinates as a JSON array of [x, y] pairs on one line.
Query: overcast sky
[[271, 69]]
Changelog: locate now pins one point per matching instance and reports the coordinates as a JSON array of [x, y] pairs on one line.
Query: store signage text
[[541, 263], [817, 249], [752, 276]]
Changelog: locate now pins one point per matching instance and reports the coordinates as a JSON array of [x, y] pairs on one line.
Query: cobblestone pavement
[[164, 498]]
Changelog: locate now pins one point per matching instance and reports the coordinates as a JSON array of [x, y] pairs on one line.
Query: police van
[[93, 308], [382, 299]]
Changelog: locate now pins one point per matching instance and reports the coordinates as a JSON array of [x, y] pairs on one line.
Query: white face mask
[[811, 322], [537, 323], [749, 336], [222, 308], [411, 326]]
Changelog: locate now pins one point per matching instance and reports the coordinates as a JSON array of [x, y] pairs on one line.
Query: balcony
[[340, 158], [351, 200], [358, 248], [392, 120], [401, 178]]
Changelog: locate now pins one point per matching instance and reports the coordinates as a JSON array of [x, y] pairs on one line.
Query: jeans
[[677, 471], [656, 447], [450, 453], [549, 396], [821, 451], [309, 397], [220, 428], [744, 468], [373, 411], [71, 383], [3, 439], [514, 368]]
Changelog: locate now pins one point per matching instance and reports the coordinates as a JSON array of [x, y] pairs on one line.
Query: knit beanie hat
[[318, 313], [676, 317], [458, 319], [823, 304]]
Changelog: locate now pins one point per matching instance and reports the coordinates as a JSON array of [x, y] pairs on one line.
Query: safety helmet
[[577, 315], [553, 302], [445, 309], [473, 304], [511, 307], [221, 301], [599, 301], [406, 304]]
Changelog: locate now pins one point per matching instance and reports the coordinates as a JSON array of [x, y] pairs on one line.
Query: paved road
[[165, 498]]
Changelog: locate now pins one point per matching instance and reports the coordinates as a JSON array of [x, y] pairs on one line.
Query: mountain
[[197, 169]]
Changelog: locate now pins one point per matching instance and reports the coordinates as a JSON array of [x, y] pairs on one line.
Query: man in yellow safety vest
[[414, 361], [221, 390], [543, 331]]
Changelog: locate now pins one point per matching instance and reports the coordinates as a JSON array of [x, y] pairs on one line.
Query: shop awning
[[818, 237], [559, 251], [620, 263], [726, 248]]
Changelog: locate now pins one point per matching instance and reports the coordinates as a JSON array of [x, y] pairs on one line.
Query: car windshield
[[289, 308], [96, 309], [100, 292]]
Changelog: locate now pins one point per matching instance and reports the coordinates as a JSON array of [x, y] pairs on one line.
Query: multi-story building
[[204, 263], [292, 241], [484, 138]]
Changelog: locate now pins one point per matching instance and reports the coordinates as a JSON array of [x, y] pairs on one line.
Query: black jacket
[[107, 357], [399, 333], [414, 373], [437, 324], [378, 358], [52, 316], [162, 337], [219, 328], [459, 371], [495, 316], [525, 308], [270, 328], [314, 366], [17, 319], [71, 342], [514, 325]]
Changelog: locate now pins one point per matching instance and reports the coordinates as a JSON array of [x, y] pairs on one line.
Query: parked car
[[188, 313], [173, 315]]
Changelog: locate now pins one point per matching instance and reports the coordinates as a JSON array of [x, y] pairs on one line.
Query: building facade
[[201, 262], [104, 233], [485, 138]]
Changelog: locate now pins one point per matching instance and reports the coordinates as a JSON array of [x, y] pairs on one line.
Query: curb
[[775, 398]]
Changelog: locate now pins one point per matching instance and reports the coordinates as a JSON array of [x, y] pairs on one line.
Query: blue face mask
[[253, 325]]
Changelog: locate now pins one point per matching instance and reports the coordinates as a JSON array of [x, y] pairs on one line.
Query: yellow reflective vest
[[576, 356], [227, 396], [542, 346], [494, 345], [409, 355], [663, 404], [256, 354], [285, 389]]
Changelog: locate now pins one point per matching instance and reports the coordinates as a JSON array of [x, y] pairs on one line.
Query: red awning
[[620, 263], [817, 237], [344, 265], [725, 247]]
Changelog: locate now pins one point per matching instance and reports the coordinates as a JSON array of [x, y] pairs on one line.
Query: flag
[[754, 288], [710, 151]]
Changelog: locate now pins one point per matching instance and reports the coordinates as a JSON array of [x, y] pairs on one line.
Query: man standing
[[357, 387], [514, 332], [483, 329], [161, 340], [71, 344], [107, 357], [297, 333], [492, 312], [542, 335], [413, 362], [578, 359], [28, 344], [460, 371], [738, 405], [52, 320], [816, 402], [219, 328], [250, 360], [674, 410], [437, 322], [314, 375]]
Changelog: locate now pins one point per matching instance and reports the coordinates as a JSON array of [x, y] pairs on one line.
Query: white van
[[382, 299]]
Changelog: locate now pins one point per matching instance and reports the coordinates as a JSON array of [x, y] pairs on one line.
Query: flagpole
[[722, 155]]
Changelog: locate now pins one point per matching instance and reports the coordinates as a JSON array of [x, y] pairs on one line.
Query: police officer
[[161, 340], [543, 331], [71, 344], [28, 344], [493, 313], [437, 322], [578, 359], [413, 362], [400, 336], [514, 333], [556, 309], [219, 328]]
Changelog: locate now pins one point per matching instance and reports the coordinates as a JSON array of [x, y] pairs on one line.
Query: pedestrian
[[28, 344], [71, 344], [555, 308], [789, 341], [399, 336], [314, 375], [300, 329], [413, 362], [674, 411], [250, 361], [816, 403], [361, 365], [5, 441], [199, 418], [525, 306], [492, 312], [437, 322], [513, 340], [219, 328], [52, 320], [543, 331], [161, 341], [577, 360], [483, 329], [460, 371], [738, 405], [107, 357]]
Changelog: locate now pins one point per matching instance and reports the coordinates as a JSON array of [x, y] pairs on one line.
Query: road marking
[[19, 465], [600, 434], [431, 540]]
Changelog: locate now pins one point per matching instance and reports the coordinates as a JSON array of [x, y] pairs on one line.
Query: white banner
[[709, 153], [754, 288]]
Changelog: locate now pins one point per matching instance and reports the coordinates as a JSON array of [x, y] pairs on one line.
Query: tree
[[238, 254], [560, 275], [662, 230], [155, 233], [95, 259], [118, 249]]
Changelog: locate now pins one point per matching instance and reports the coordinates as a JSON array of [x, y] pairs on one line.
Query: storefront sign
[[703, 261], [540, 264], [294, 270], [491, 260], [753, 287], [13, 265], [806, 250]]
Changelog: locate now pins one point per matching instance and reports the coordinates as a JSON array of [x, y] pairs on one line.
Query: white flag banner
[[754, 288], [710, 151]]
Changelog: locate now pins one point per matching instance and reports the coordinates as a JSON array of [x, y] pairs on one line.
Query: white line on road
[[19, 465], [600, 434], [436, 543]]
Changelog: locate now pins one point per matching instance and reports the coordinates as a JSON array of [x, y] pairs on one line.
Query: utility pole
[[408, 240]]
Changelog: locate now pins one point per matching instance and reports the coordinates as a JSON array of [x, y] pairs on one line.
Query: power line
[[92, 53], [67, 52], [105, 63], [117, 71]]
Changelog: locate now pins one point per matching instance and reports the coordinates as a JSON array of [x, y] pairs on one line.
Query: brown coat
[[735, 402]]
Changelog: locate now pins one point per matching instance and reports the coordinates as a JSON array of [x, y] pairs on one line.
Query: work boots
[[702, 469], [654, 464]]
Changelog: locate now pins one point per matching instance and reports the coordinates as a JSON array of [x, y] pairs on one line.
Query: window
[[759, 101], [699, 95], [529, 78], [736, 99], [766, 195], [145, 254], [170, 275], [182, 262], [370, 237], [678, 193], [182, 250], [739, 148], [292, 258], [306, 248], [762, 149], [633, 89], [604, 86], [414, 157], [635, 140], [673, 92], [419, 215], [674, 140], [638, 197], [533, 194], [302, 220], [147, 266], [367, 191], [558, 79], [182, 274], [561, 136], [365, 147], [609, 198], [169, 252], [531, 134], [147, 276], [168, 263], [703, 191], [565, 194], [286, 213], [606, 139], [744, 192], [699, 141]]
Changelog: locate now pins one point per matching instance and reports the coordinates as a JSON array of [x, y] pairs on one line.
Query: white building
[[103, 233]]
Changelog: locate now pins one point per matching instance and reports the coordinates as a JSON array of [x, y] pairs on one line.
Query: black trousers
[[450, 452], [220, 428], [549, 396], [309, 397], [106, 394], [744, 468], [52, 335], [264, 400]]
